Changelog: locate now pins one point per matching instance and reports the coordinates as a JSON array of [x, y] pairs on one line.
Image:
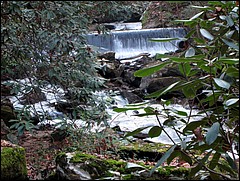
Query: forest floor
[[41, 151]]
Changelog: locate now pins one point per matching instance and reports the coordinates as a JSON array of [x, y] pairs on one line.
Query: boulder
[[154, 84], [13, 162], [131, 97], [110, 55], [80, 166], [7, 112]]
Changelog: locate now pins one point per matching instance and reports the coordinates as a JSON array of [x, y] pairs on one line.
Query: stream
[[126, 40], [125, 43]]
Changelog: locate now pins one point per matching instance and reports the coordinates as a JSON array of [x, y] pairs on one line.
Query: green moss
[[172, 170], [115, 165], [154, 147], [13, 163], [128, 177], [80, 157]]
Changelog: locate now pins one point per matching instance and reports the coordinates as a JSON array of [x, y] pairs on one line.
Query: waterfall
[[128, 43]]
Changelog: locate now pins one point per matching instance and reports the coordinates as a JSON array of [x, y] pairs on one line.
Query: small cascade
[[129, 43]]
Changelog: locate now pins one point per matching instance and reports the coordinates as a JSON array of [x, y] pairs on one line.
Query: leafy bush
[[44, 43], [210, 66]]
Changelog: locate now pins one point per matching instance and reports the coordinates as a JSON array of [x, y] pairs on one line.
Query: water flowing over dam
[[128, 43]]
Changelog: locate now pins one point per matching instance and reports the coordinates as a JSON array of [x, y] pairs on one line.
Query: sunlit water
[[127, 121]]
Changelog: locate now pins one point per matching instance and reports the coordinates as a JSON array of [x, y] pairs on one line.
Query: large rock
[[154, 84], [79, 166], [13, 162], [131, 97], [7, 112]]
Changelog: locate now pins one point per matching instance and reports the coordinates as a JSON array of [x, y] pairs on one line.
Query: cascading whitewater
[[128, 43]]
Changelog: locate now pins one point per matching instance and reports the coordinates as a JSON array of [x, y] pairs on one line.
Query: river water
[[125, 43], [126, 40], [133, 41]]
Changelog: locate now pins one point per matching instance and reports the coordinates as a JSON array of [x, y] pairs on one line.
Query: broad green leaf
[[147, 114], [230, 102], [193, 125], [196, 16], [20, 130], [159, 56], [206, 34], [190, 34], [199, 40], [225, 167], [149, 110], [161, 92], [222, 83], [27, 125], [212, 133], [179, 59], [163, 159], [155, 131], [180, 113], [186, 157], [138, 104], [148, 71], [218, 3], [194, 170], [230, 44], [233, 72], [185, 68], [175, 153], [190, 52], [231, 162], [189, 92], [16, 125], [214, 160], [162, 39], [124, 109], [230, 61], [136, 131], [170, 121]]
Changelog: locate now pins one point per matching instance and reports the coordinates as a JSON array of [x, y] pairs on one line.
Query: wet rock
[[4, 130], [131, 97], [78, 166], [154, 84], [107, 55], [109, 67], [7, 112], [128, 77]]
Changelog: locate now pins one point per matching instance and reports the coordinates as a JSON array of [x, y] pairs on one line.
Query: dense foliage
[[210, 66], [44, 43]]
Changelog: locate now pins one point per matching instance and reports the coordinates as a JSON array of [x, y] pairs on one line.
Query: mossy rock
[[147, 151], [13, 163]]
